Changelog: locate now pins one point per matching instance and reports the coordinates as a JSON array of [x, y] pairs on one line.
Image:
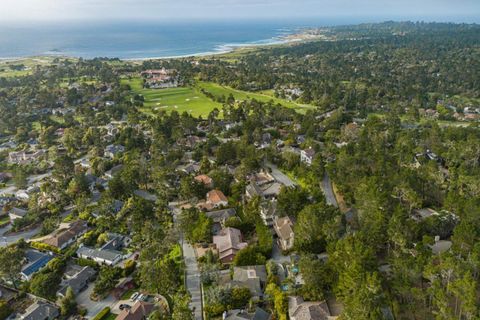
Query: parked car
[[125, 306], [134, 296]]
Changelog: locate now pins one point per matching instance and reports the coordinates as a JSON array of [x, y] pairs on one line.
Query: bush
[[129, 268], [102, 314], [249, 256], [5, 310], [44, 247]]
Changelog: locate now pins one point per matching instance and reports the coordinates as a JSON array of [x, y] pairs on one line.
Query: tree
[[107, 280], [181, 310], [318, 278], [279, 301], [68, 305], [20, 177], [11, 263], [265, 239], [249, 256], [5, 310], [292, 200], [239, 297], [312, 227], [45, 284]]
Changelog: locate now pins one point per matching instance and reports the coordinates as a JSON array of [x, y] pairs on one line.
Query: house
[[216, 198], [284, 230], [189, 168], [206, 180], [253, 190], [252, 277], [422, 214], [4, 176], [101, 256], [237, 314], [265, 191], [109, 174], [306, 156], [298, 309], [228, 242], [109, 253], [262, 178], [34, 261], [139, 311], [268, 211], [40, 310], [219, 217], [77, 282], [66, 236], [23, 157], [112, 130], [113, 150], [16, 213]]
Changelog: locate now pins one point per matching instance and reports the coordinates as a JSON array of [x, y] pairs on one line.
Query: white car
[[134, 296]]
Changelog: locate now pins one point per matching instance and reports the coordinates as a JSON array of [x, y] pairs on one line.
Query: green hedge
[[44, 247], [102, 314]]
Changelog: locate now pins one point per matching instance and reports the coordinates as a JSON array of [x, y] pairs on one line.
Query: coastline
[[298, 37]]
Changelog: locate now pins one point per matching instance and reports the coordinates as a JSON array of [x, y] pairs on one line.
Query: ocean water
[[136, 40]]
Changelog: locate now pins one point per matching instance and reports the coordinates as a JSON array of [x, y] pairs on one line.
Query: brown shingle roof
[[139, 311], [216, 196]]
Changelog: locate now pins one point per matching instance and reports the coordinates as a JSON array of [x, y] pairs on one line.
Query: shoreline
[[298, 37]]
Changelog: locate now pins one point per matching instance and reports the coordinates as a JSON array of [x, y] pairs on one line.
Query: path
[[328, 191]]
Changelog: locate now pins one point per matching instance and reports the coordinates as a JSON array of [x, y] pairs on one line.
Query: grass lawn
[[29, 63], [127, 294], [181, 99], [263, 96], [193, 101]]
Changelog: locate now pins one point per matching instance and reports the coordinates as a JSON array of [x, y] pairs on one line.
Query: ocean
[[142, 40], [138, 40]]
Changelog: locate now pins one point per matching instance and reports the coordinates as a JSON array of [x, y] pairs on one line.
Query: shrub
[[5, 310], [102, 314]]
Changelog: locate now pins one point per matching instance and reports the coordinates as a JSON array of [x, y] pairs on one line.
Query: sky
[[167, 10]]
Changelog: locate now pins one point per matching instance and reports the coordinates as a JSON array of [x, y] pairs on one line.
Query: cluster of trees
[[366, 66]]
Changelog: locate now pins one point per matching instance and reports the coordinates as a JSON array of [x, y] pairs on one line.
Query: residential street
[[193, 280], [6, 240], [192, 274], [280, 176], [328, 191]]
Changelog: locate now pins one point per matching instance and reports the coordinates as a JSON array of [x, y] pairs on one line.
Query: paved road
[[193, 280], [192, 274], [94, 307], [27, 235], [6, 240], [280, 176], [328, 191]]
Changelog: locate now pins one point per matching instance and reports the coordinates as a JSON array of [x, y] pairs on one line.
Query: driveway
[[280, 176], [328, 191], [94, 307]]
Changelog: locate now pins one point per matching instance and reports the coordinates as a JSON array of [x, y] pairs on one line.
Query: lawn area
[[180, 99], [192, 100], [264, 96], [28, 63]]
